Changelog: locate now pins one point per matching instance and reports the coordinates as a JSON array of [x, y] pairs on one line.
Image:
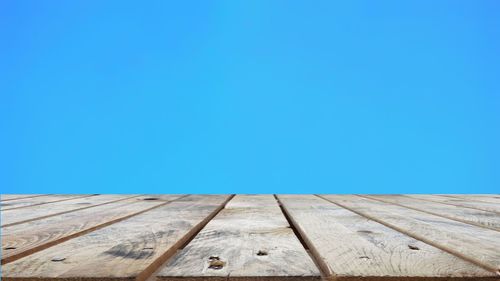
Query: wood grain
[[9, 197], [351, 247], [130, 249], [24, 239], [475, 217], [487, 198], [23, 215], [447, 237], [39, 200], [250, 239], [475, 244], [484, 206]]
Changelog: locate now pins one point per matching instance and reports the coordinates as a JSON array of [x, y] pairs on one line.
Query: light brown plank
[[475, 217], [250, 239], [40, 200], [24, 239], [131, 249], [484, 206], [487, 198], [351, 247], [9, 197], [27, 214], [475, 244]]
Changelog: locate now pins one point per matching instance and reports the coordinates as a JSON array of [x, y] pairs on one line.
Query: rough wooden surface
[[350, 245], [129, 249], [478, 245], [476, 217], [24, 239], [8, 197], [58, 208], [37, 200], [250, 237]]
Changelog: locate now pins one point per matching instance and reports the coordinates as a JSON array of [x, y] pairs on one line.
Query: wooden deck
[[250, 237]]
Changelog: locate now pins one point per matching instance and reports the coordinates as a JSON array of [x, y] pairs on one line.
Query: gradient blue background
[[250, 96]]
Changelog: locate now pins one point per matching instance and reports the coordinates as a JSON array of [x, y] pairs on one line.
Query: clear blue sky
[[250, 96]]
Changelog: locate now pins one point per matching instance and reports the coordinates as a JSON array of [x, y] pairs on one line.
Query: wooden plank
[[24, 239], [350, 247], [478, 245], [131, 249], [250, 239], [9, 197], [23, 215], [487, 198], [39, 200], [484, 206], [475, 217]]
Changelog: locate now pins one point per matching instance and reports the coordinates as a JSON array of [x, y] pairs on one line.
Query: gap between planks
[[151, 275], [323, 268]]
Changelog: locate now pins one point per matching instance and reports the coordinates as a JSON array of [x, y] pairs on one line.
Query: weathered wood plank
[[39, 200], [23, 215], [24, 239], [484, 206], [250, 239], [9, 197], [487, 198], [475, 217], [351, 247], [131, 249], [478, 245]]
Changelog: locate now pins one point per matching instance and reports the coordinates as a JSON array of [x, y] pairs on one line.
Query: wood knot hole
[[414, 248], [364, 257], [261, 253], [214, 262], [150, 199], [9, 248]]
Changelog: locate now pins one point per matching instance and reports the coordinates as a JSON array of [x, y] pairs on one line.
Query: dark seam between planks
[[150, 272], [452, 204], [430, 213], [3, 200], [43, 203], [418, 237], [77, 234], [66, 212], [324, 270]]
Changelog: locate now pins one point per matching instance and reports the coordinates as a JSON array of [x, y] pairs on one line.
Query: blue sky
[[250, 96]]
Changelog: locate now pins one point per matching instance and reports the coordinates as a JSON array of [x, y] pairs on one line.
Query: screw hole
[[214, 262], [9, 248], [261, 253], [414, 248]]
